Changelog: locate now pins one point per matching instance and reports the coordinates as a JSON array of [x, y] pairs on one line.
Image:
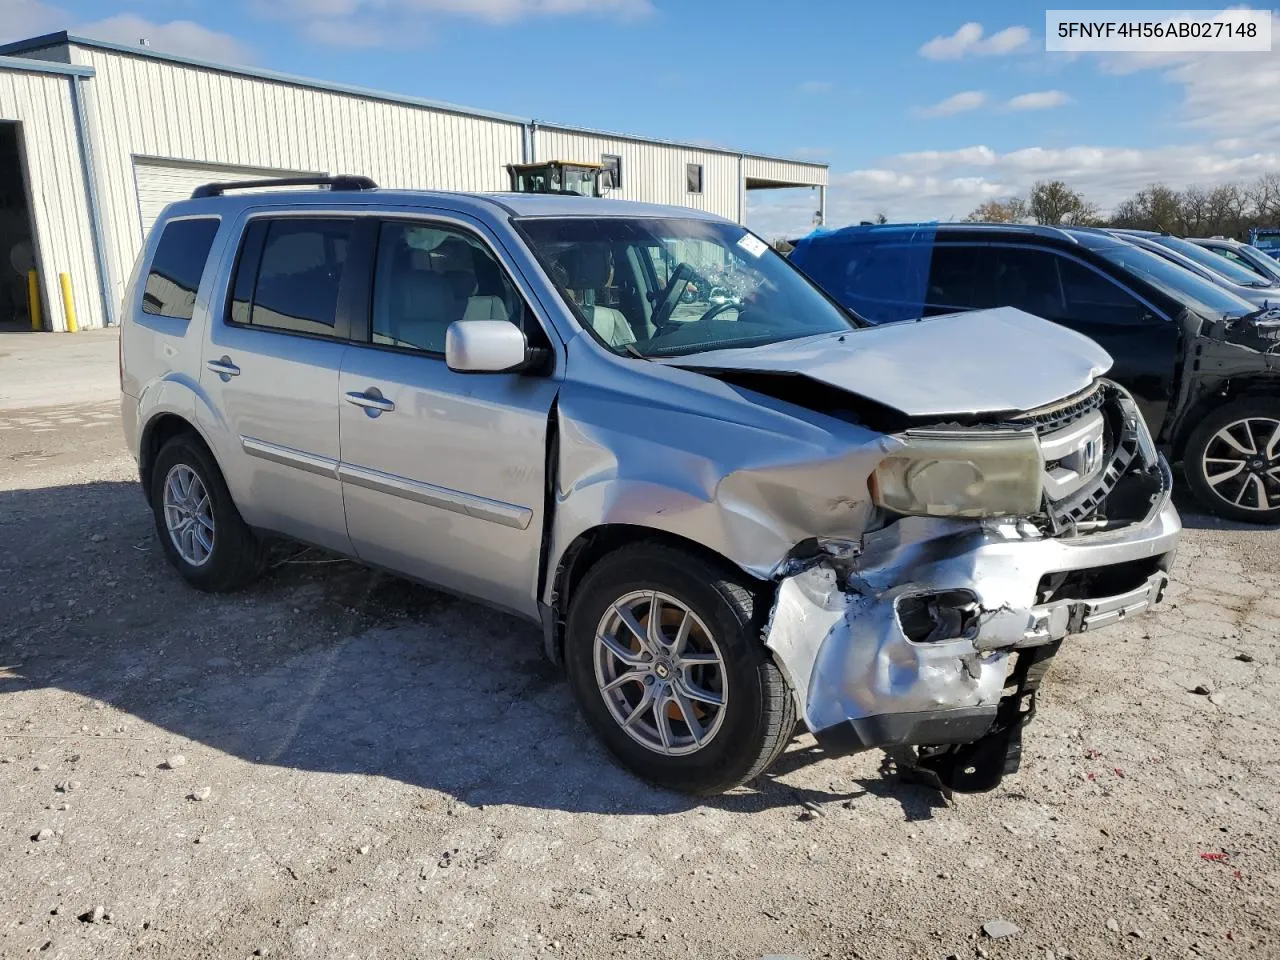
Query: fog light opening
[[935, 617]]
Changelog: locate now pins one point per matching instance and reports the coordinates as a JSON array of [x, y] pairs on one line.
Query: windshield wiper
[[631, 350]]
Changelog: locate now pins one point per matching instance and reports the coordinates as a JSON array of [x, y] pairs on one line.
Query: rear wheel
[[1232, 460], [664, 655], [200, 529]]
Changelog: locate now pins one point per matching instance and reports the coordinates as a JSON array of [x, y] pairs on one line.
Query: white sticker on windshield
[[753, 244]]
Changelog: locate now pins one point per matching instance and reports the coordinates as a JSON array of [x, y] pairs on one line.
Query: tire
[[740, 738], [1253, 494], [234, 556]]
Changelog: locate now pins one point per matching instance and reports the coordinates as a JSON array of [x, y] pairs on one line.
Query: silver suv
[[728, 503]]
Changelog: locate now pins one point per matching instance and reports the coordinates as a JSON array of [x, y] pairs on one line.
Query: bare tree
[[1053, 202], [1263, 198], [1157, 207], [1193, 210], [1011, 210]]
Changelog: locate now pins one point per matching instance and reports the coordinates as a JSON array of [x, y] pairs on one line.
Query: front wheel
[[664, 655], [1232, 461]]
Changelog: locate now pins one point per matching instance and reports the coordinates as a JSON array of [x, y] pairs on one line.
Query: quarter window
[[428, 277], [290, 275], [174, 278]]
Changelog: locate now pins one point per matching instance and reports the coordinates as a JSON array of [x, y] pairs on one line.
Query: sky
[[923, 109]]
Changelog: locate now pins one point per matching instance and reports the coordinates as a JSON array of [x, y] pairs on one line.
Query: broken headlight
[[961, 473]]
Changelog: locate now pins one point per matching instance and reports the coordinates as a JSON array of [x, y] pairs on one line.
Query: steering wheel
[[719, 308], [670, 297]]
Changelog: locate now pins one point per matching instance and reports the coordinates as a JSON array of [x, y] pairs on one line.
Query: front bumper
[[911, 643]]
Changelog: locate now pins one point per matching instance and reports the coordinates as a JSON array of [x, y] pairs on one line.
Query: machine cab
[[560, 176]]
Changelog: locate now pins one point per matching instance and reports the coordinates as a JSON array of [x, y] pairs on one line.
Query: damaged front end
[[934, 631]]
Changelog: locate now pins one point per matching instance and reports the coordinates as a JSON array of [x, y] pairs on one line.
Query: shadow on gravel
[[1196, 517], [323, 666]]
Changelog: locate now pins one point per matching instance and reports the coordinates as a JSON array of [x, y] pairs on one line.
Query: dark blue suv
[[1201, 362]]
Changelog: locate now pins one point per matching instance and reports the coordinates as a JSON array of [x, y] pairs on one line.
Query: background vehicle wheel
[[665, 657], [1232, 461], [199, 526]]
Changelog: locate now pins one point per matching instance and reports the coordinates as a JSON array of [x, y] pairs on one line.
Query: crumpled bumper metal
[[861, 681]]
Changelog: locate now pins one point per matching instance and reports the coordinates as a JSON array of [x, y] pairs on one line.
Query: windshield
[[670, 287], [1205, 298], [1212, 261]]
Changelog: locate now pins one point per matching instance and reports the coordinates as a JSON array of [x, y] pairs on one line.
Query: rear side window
[[290, 275], [174, 278]]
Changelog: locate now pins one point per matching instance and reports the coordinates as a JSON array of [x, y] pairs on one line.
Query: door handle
[[372, 400], [224, 368]]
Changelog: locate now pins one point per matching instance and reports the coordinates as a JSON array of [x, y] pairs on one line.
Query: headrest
[[586, 266], [463, 281], [454, 254]]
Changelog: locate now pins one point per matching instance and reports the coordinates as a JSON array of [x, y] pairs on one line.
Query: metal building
[[101, 136]]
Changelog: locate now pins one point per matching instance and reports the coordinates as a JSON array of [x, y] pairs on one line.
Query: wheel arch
[[1229, 391], [599, 541], [159, 430]]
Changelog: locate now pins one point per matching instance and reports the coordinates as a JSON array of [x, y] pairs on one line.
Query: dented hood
[[981, 362]]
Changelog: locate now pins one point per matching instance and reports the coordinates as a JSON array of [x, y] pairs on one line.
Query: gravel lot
[[337, 763]]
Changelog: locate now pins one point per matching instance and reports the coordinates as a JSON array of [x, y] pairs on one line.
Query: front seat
[[586, 269], [457, 258], [428, 303]]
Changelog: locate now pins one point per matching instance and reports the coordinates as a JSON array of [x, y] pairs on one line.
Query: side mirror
[[486, 346]]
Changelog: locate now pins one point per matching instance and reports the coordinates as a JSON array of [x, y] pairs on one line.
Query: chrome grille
[[1051, 419]]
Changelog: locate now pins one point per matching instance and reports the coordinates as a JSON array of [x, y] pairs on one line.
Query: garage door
[[160, 183]]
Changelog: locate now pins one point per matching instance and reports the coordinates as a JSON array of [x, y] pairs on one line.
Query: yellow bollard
[[33, 299], [68, 303]]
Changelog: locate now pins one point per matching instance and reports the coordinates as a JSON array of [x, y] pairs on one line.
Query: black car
[[1202, 363]]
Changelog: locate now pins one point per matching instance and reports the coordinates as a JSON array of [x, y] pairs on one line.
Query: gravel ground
[[336, 763]]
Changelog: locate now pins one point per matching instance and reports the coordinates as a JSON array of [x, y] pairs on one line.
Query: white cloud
[[1040, 100], [970, 40], [1225, 93], [1230, 100], [183, 37], [956, 103], [816, 86], [943, 185], [20, 19]]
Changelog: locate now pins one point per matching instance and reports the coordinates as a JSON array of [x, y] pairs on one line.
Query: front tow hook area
[[980, 765]]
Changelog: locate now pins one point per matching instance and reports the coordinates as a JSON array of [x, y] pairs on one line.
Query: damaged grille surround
[[912, 641]]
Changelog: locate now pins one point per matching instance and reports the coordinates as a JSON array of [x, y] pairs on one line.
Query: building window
[[613, 163], [693, 176]]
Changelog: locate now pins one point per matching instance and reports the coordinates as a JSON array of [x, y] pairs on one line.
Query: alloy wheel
[[661, 673], [188, 515], [1241, 463]]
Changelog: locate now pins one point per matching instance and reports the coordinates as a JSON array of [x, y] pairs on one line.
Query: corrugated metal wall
[[42, 104], [651, 172], [146, 107], [784, 171]]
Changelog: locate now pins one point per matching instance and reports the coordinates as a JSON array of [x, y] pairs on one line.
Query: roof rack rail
[[341, 182]]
